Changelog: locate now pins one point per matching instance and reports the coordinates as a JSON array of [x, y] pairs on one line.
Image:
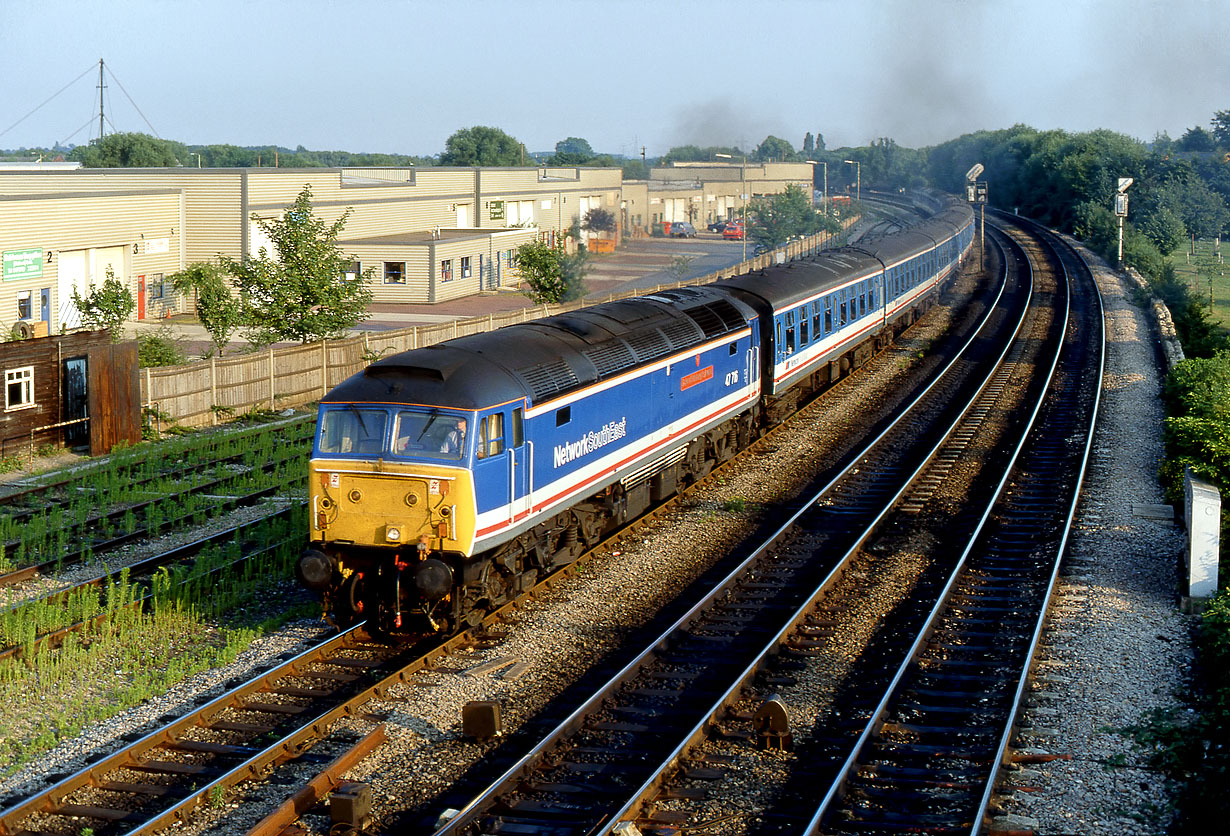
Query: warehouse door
[[463, 215], [71, 277], [75, 401]]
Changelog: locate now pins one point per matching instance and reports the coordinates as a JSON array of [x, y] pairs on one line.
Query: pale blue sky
[[401, 75]]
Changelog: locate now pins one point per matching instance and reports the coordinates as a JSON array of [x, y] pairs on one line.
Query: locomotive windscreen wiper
[[359, 415], [435, 413]]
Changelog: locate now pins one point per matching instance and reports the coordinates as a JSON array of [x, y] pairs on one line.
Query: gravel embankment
[[1118, 647]]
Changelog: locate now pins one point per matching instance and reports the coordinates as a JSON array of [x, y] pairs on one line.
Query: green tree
[[216, 307], [1164, 228], [572, 151], [107, 306], [299, 292], [775, 219], [1196, 139], [775, 149], [551, 274], [1221, 128], [696, 154], [809, 144], [126, 150], [481, 145], [599, 220]]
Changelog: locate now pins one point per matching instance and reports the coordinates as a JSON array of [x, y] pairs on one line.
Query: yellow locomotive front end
[[392, 514]]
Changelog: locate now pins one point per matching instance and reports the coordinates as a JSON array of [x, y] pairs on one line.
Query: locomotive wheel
[[349, 607]]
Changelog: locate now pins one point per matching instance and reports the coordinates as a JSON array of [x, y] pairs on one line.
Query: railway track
[[583, 777], [249, 537], [189, 800]]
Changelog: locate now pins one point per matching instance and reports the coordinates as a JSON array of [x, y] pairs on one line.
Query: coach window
[[803, 326], [862, 302], [841, 314], [19, 388], [491, 436], [828, 316], [780, 341], [395, 272], [790, 332]]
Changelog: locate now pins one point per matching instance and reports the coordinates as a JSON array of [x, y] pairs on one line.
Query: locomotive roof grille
[[547, 379], [708, 320], [649, 345], [682, 333], [611, 357]]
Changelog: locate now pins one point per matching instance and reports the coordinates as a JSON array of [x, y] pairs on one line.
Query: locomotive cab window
[[352, 431], [430, 433], [491, 436]]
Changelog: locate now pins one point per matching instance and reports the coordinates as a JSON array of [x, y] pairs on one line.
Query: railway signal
[[976, 192], [1121, 209]]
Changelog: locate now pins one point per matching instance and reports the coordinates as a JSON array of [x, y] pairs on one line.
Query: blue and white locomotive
[[445, 480]]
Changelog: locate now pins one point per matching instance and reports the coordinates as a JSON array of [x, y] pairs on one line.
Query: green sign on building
[[23, 264], [497, 210]]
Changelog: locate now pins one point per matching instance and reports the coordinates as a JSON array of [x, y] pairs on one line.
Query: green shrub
[[161, 348]]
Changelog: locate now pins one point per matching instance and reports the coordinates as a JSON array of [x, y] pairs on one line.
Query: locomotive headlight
[[392, 533]]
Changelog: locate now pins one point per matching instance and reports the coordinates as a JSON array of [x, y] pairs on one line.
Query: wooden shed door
[[114, 396], [76, 400]]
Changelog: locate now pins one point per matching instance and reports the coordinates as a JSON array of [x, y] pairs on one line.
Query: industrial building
[[427, 234]]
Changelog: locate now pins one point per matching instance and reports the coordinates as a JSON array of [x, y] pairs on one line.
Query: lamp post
[[824, 201], [742, 195], [198, 158], [858, 179]]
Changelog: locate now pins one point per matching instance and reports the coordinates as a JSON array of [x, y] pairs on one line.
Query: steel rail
[[468, 814], [876, 721], [1018, 698]]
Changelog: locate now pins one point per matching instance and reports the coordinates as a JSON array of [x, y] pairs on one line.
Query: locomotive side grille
[[610, 357], [682, 333], [549, 378], [649, 345]]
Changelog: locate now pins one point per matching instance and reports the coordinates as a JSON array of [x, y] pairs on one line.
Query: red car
[[733, 231]]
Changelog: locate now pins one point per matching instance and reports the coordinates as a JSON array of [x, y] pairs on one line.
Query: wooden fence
[[210, 391]]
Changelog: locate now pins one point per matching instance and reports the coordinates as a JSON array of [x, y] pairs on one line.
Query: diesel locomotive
[[446, 480]]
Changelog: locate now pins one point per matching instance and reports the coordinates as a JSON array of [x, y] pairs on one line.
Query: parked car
[[733, 231], [718, 226], [682, 229]]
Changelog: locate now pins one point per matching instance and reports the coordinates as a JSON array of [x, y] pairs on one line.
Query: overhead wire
[[49, 98], [130, 101]]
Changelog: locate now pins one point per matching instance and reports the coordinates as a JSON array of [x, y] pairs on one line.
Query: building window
[[446, 270], [154, 286], [351, 272], [465, 267], [395, 272], [19, 388], [25, 308]]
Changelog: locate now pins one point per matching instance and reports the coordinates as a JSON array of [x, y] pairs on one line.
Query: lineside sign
[[23, 264]]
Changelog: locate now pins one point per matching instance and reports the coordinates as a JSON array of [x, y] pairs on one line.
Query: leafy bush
[[161, 348], [108, 306]]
